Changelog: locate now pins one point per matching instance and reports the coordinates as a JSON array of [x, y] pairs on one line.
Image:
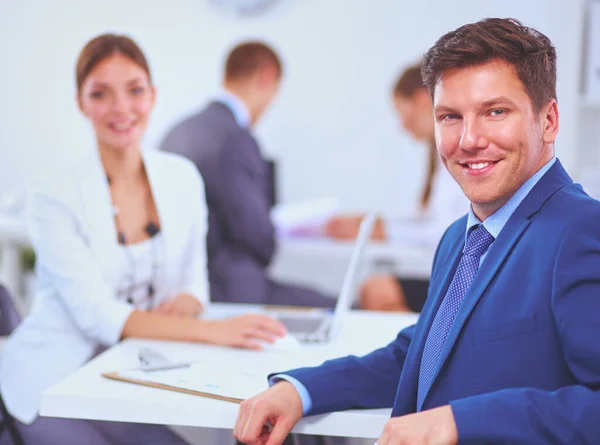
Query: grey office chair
[[9, 320]]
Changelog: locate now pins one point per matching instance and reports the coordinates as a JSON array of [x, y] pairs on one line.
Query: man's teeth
[[479, 166], [122, 127]]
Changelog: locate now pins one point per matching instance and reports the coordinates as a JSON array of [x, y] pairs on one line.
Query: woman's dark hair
[[409, 82], [102, 47]]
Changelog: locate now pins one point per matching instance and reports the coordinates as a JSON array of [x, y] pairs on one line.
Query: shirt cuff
[[115, 318], [302, 391]]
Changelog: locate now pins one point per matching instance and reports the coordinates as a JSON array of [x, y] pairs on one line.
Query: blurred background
[[331, 131]]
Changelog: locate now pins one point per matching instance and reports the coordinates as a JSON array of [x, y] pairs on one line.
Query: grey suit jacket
[[241, 236]]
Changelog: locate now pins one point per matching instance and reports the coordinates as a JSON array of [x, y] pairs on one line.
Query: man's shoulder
[[212, 112], [456, 229], [188, 121], [210, 128], [569, 205], [453, 235]]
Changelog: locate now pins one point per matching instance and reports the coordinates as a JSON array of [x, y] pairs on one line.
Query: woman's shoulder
[[62, 179], [178, 168], [171, 162]]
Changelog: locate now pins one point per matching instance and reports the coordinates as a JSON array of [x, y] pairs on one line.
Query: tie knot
[[478, 241]]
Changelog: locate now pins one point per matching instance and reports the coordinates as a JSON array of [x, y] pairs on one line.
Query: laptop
[[322, 326]]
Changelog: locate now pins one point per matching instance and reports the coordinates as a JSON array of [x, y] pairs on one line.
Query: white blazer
[[76, 311]]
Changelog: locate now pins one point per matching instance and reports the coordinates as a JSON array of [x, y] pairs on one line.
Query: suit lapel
[[496, 256], [97, 205], [168, 215], [555, 179], [98, 209], [406, 398]]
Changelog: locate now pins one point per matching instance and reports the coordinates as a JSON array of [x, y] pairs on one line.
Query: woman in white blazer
[[120, 244], [441, 203]]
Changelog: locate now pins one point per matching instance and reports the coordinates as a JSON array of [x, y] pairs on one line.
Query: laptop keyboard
[[301, 325]]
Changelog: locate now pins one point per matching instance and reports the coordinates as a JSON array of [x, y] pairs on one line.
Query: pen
[[151, 360]]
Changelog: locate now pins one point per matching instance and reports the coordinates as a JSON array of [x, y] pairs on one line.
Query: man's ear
[[549, 116]]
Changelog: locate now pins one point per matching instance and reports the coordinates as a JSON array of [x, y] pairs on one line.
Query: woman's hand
[[183, 305], [343, 227], [245, 331], [347, 228]]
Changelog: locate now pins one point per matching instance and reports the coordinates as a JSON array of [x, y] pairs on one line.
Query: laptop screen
[[347, 292]]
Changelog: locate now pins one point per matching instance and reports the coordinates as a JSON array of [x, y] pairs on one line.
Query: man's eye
[[449, 117]]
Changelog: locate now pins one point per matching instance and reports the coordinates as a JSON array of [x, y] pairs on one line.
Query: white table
[[87, 395], [321, 263]]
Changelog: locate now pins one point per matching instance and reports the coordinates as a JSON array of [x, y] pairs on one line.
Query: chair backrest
[[9, 320], [9, 316]]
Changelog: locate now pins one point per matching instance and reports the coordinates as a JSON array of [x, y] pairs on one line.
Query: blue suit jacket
[[522, 361], [241, 237]]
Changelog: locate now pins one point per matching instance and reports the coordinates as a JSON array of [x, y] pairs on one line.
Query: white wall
[[332, 128]]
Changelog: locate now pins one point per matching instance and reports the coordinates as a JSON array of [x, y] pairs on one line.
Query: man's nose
[[472, 136]]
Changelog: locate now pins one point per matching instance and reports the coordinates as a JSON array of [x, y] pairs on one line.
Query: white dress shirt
[[80, 267], [141, 279], [237, 107]]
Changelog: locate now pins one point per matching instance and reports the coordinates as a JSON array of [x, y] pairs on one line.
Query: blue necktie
[[478, 242]]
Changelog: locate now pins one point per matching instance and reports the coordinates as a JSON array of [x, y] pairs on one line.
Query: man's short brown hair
[[528, 50], [248, 57]]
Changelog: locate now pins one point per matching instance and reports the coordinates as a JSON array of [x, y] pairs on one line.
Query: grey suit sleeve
[[243, 202]]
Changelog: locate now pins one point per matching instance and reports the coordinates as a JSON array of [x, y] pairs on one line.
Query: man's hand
[[433, 427], [279, 407], [183, 305]]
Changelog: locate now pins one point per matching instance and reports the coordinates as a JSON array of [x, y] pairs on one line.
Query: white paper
[[208, 378], [290, 217]]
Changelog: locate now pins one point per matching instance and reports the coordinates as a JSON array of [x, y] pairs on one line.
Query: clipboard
[[116, 376], [220, 381]]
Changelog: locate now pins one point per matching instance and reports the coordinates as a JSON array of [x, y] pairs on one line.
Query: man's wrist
[[450, 430], [289, 388], [303, 394]]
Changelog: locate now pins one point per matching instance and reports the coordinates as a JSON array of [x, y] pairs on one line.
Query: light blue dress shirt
[[237, 107], [497, 220], [493, 224]]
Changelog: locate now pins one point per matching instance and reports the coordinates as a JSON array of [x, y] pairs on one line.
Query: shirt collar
[[496, 221], [237, 107]]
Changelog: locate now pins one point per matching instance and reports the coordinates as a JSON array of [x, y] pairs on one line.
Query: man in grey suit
[[241, 237]]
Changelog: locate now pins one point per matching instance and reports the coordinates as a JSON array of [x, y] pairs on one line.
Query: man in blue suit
[[241, 239], [506, 349]]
